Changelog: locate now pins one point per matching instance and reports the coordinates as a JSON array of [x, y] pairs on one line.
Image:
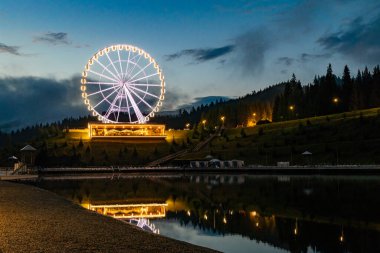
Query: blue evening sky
[[226, 48]]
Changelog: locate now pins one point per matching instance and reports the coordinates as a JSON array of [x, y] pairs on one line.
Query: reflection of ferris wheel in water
[[122, 83]]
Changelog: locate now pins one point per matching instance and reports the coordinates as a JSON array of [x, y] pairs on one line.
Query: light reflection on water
[[210, 239], [235, 213]]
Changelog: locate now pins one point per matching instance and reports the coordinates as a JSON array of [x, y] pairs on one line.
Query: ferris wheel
[[122, 83]]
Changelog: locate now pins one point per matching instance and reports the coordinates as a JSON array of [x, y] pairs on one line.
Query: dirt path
[[35, 220]]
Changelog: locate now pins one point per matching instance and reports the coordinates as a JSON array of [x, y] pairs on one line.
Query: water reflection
[[236, 213], [130, 211], [136, 214]]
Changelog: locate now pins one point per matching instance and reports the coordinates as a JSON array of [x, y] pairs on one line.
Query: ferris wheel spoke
[[105, 68], [100, 91], [140, 70], [145, 92], [145, 84], [130, 60], [128, 107], [121, 69], [126, 68], [141, 78], [120, 99], [113, 65], [112, 105], [134, 65], [138, 113], [107, 77], [134, 57], [103, 83], [141, 99], [104, 99]]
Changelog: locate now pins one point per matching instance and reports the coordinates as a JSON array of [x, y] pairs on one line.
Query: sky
[[205, 48]]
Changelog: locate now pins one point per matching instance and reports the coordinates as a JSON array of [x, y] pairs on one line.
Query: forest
[[288, 100]]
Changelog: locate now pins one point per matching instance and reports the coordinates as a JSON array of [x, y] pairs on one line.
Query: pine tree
[[347, 86]]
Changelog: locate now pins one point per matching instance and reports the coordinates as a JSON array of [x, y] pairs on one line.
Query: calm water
[[234, 213]]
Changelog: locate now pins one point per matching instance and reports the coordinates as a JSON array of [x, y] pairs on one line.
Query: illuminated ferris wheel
[[122, 83]]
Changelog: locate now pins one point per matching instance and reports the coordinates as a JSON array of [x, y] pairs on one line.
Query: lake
[[239, 213]]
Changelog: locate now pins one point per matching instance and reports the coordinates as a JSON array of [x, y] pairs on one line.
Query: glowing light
[[204, 122], [224, 220], [291, 107], [188, 213], [257, 224], [222, 118], [335, 100], [205, 217], [117, 84], [121, 130]]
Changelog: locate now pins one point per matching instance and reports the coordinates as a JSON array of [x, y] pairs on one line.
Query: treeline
[[284, 101], [236, 112], [328, 94], [39, 132]]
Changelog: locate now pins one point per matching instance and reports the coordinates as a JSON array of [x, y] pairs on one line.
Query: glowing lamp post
[[187, 126], [204, 123]]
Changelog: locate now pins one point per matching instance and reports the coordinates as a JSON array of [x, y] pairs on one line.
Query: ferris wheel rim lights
[[117, 80]]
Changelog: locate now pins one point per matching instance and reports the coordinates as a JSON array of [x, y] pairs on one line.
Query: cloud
[[358, 40], [251, 49], [9, 49], [174, 97], [286, 60], [53, 38], [247, 52], [202, 54], [30, 100], [305, 57]]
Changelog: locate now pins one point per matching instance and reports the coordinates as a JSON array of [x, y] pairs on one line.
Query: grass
[[345, 138], [75, 149]]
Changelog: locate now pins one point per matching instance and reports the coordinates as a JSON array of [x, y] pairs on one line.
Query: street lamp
[[335, 100], [187, 126], [291, 107]]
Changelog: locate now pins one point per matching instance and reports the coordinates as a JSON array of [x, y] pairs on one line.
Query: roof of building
[[28, 148]]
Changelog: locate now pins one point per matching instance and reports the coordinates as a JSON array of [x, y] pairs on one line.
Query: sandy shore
[[35, 220]]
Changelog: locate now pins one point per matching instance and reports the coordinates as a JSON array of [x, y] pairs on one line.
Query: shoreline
[[36, 220], [277, 170]]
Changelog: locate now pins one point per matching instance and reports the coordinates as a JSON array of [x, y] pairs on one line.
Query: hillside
[[345, 138]]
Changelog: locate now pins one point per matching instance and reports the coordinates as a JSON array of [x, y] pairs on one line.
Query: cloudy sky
[[205, 48]]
